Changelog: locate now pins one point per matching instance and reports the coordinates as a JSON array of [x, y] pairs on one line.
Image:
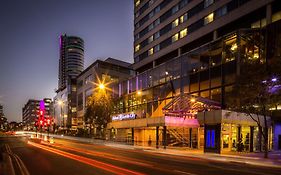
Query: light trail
[[88, 161], [107, 155]]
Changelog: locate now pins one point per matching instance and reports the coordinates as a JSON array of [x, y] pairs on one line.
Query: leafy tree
[[256, 91], [98, 111]]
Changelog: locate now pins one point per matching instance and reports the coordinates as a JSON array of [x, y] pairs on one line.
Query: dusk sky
[[29, 47]]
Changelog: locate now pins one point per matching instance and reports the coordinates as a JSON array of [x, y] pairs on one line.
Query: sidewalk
[[257, 159], [274, 159]]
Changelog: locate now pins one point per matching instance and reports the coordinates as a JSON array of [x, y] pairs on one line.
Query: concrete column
[[179, 51], [153, 64], [133, 136], [157, 137], [164, 136], [190, 137], [268, 14], [215, 34]]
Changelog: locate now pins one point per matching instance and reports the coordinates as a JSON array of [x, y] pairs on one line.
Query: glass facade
[[208, 71]]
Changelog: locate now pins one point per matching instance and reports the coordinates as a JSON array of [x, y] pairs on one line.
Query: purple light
[[264, 81], [274, 79], [42, 105]]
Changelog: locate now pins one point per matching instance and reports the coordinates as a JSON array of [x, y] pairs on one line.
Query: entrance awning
[[189, 105]]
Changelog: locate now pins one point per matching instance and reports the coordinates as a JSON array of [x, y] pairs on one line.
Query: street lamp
[[101, 86], [192, 100]]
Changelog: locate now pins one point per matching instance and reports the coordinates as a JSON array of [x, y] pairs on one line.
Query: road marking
[[101, 165], [19, 162], [183, 172]]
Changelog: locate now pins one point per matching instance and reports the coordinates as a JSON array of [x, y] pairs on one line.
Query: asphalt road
[[69, 157]]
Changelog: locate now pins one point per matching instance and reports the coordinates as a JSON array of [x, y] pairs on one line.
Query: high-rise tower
[[71, 62]]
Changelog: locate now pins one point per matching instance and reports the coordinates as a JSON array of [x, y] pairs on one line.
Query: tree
[[98, 111], [256, 91]]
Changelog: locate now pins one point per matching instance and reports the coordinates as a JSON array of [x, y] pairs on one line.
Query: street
[[70, 157]]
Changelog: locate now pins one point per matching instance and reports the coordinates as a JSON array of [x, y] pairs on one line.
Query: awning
[[189, 105]]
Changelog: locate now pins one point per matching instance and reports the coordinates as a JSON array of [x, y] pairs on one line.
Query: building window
[[208, 19], [150, 27], [175, 23], [175, 9], [150, 51], [156, 48], [207, 3], [157, 9], [183, 18], [150, 39], [276, 16], [137, 36], [156, 35], [156, 22], [175, 37], [137, 3], [221, 11], [183, 33], [150, 14], [137, 48]]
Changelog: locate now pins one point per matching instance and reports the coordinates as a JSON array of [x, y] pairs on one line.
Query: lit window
[[207, 3], [208, 19], [150, 39], [175, 37], [137, 48], [137, 3], [150, 51], [183, 33], [276, 16], [175, 23], [183, 18]]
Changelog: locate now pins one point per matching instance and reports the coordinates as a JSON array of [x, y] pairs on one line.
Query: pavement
[[257, 159]]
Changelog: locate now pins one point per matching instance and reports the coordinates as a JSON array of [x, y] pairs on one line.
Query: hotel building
[[109, 71], [187, 56]]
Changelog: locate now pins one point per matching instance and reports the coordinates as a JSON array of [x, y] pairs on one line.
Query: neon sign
[[124, 117]]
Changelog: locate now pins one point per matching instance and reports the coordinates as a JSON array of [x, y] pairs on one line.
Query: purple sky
[[29, 47]]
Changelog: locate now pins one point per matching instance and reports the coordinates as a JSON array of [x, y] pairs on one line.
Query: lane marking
[[85, 160], [19, 162]]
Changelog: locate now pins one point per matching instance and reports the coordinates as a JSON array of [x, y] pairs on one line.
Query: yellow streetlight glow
[[192, 100], [101, 86], [60, 102], [139, 92]]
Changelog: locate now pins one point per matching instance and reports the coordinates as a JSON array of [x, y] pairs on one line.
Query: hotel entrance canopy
[[189, 105]]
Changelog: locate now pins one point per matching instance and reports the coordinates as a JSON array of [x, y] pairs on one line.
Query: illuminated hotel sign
[[123, 117]]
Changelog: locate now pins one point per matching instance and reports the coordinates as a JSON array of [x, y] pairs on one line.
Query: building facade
[[30, 112], [187, 56], [107, 72], [71, 62], [165, 29]]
